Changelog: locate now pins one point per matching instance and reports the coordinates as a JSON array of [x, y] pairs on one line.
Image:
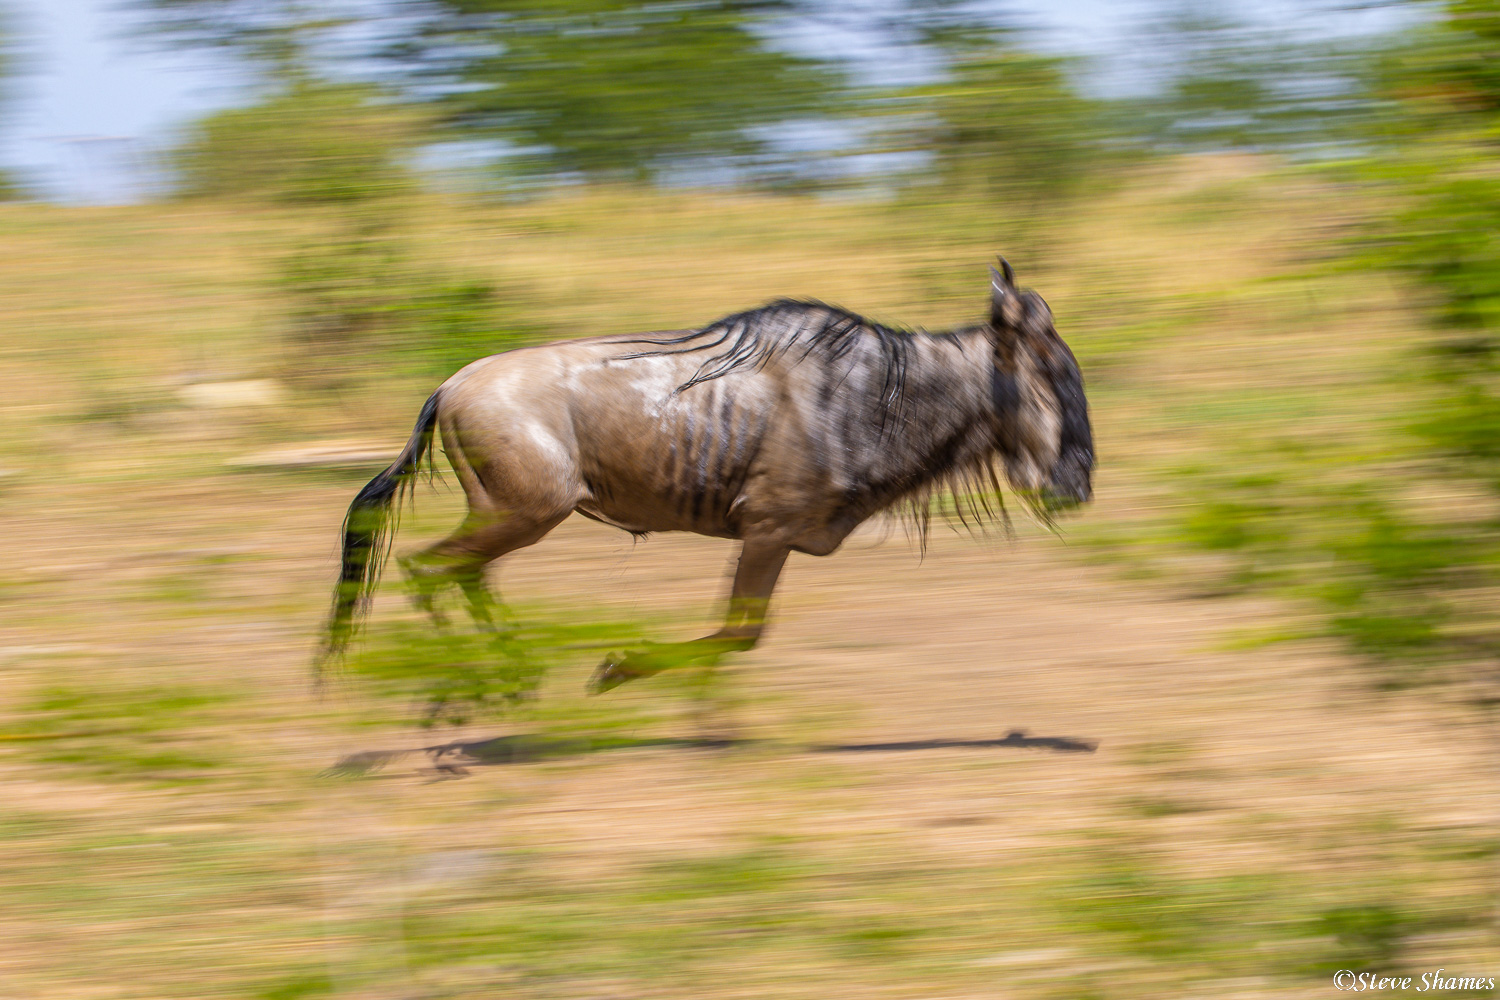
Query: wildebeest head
[[1042, 427]]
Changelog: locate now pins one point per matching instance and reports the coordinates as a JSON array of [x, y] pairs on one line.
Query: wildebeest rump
[[784, 426]]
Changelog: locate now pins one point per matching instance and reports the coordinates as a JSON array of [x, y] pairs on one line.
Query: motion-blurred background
[[243, 240]]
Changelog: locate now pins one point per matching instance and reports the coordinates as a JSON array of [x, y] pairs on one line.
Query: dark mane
[[750, 340], [964, 487]]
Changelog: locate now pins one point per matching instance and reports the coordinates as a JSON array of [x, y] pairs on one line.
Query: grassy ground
[[1251, 818]]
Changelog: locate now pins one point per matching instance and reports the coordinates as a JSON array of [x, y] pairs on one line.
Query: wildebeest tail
[[368, 529]]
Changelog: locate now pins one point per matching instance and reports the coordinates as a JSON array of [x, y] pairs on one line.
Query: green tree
[[621, 87], [1001, 125], [10, 65], [1004, 125], [1227, 84], [1435, 134], [600, 88], [270, 35]]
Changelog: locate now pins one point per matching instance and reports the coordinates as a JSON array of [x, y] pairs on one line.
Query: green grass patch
[[107, 729]]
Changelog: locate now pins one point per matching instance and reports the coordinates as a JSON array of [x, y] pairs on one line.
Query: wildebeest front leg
[[754, 580]]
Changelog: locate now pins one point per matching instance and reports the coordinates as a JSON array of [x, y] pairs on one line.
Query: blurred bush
[[308, 141], [455, 675], [357, 291], [458, 675], [1413, 582], [1405, 582], [356, 287]]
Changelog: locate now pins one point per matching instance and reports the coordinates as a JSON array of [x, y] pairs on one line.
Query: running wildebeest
[[784, 427]]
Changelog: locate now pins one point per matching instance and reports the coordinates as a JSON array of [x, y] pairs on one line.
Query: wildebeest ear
[[1005, 304]]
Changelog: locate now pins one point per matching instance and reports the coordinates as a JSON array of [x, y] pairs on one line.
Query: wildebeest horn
[[1007, 272], [1005, 306]]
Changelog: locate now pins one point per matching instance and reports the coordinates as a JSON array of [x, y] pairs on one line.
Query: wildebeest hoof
[[610, 674]]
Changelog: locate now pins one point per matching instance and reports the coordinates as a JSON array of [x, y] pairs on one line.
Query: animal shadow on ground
[[453, 760]]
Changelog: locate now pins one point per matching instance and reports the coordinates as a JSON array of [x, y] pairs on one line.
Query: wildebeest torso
[[817, 435]]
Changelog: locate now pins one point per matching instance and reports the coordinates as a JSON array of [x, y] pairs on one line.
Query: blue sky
[[95, 104], [92, 102]]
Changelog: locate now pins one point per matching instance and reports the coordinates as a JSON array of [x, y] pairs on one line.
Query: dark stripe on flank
[[705, 449], [681, 485], [728, 452], [669, 466], [747, 448]]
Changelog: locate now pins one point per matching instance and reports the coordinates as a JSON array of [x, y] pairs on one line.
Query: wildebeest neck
[[939, 428]]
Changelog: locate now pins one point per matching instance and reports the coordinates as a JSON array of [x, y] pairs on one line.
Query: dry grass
[[1252, 818]]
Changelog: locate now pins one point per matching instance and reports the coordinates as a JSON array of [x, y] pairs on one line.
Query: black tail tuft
[[368, 529]]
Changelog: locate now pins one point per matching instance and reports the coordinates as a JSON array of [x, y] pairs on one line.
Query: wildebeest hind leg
[[754, 579], [462, 557]]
